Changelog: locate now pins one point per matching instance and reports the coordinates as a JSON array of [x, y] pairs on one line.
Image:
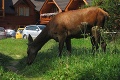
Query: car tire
[[25, 36]]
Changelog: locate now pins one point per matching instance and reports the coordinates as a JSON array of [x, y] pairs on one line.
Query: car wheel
[[25, 36]]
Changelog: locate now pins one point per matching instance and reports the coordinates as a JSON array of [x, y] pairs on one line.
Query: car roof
[[20, 28], [2, 27], [36, 25], [10, 29]]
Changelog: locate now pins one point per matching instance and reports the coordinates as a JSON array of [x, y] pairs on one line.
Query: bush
[[112, 7]]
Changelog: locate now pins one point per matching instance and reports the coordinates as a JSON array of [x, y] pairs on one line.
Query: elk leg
[[95, 37], [100, 40], [68, 45], [96, 42], [93, 43], [61, 44], [103, 44]]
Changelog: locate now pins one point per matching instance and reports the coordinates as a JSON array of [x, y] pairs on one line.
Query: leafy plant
[[112, 7]]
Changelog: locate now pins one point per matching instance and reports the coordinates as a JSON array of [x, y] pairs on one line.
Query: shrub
[[112, 7]]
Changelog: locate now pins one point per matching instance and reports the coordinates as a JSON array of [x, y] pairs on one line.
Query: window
[[41, 27], [27, 11], [23, 11], [31, 28], [1, 29], [21, 26], [54, 9], [27, 28]]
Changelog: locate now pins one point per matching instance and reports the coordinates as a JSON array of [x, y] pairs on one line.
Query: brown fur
[[67, 25]]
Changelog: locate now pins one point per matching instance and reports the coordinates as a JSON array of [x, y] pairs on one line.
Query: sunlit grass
[[15, 48], [81, 65]]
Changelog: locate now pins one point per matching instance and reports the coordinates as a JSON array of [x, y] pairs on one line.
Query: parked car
[[33, 30], [2, 33], [19, 33], [10, 33]]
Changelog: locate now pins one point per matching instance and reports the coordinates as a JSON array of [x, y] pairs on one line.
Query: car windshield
[[42, 27], [9, 30], [31, 28], [20, 30], [2, 29]]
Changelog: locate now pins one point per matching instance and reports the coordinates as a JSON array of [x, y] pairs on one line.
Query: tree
[[113, 8]]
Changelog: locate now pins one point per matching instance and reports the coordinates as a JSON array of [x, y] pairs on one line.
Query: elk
[[67, 25]]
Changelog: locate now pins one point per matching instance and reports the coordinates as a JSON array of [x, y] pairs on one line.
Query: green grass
[[81, 65]]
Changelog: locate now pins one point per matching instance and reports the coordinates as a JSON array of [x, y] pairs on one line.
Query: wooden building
[[19, 13], [2, 12], [52, 7]]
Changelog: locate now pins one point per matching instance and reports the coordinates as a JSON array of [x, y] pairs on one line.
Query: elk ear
[[30, 39]]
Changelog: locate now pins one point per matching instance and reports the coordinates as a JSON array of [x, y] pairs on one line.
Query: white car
[[33, 30]]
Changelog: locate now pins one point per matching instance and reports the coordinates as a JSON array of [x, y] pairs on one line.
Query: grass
[[81, 65]]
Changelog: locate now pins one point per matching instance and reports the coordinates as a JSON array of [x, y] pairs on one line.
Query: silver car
[[10, 33], [33, 30], [2, 33]]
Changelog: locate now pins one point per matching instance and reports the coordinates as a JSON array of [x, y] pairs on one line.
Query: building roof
[[38, 4], [14, 1], [62, 3], [9, 5]]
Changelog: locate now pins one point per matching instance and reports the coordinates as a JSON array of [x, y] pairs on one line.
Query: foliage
[[112, 7], [8, 75]]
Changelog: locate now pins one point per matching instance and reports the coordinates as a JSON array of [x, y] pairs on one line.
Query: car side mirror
[[37, 29]]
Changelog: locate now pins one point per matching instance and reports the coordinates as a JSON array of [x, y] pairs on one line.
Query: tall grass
[[81, 65]]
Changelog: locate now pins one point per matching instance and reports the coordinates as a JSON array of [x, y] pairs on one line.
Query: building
[[19, 13], [52, 7]]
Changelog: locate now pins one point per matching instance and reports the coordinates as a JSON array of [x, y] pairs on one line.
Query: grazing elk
[[67, 25]]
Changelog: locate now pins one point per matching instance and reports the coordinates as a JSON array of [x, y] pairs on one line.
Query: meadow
[[81, 65]]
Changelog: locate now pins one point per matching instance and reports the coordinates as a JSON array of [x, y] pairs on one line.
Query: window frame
[[23, 11]]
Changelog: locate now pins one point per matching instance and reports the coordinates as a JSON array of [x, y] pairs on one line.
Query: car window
[[31, 28], [2, 30], [20, 30], [41, 27]]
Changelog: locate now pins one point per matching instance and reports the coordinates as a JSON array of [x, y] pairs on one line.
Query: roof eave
[[60, 10], [27, 1]]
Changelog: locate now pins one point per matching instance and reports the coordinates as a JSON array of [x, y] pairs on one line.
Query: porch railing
[[46, 17]]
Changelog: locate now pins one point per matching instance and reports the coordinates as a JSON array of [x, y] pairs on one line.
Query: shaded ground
[[12, 65], [8, 63]]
